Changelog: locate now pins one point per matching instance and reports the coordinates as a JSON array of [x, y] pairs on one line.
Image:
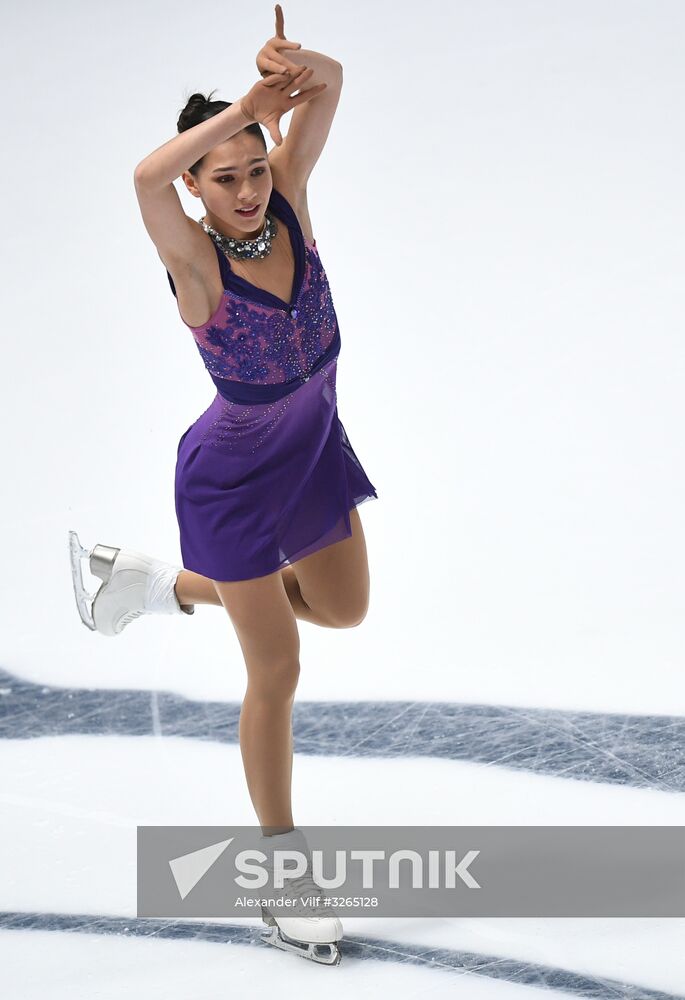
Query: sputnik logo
[[188, 869]]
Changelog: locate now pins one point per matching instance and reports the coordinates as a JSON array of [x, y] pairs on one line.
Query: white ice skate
[[314, 936], [133, 584]]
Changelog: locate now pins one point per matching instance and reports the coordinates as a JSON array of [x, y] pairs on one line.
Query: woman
[[267, 482]]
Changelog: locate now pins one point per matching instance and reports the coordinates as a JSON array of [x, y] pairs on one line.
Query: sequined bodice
[[256, 337]]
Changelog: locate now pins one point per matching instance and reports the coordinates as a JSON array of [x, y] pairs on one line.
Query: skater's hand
[[270, 98], [269, 58]]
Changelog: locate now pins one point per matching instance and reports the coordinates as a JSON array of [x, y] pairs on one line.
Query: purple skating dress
[[267, 475]]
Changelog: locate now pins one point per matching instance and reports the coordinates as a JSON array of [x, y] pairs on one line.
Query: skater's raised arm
[[178, 239], [169, 161], [266, 102]]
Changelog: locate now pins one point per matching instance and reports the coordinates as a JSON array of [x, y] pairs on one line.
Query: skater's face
[[224, 191]]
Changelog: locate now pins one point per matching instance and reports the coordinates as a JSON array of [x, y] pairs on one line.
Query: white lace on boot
[[160, 595]]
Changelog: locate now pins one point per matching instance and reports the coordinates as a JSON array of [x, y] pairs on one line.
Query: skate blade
[[323, 953], [100, 560]]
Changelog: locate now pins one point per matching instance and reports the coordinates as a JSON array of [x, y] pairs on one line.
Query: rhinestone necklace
[[258, 247]]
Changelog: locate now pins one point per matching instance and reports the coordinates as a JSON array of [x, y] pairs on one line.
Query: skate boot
[[312, 930], [133, 584]]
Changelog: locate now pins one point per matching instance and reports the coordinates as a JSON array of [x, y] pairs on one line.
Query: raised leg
[[329, 588], [193, 588], [334, 582]]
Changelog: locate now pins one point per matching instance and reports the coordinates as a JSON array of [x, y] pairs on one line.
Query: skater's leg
[[334, 582], [300, 607], [266, 628], [193, 588]]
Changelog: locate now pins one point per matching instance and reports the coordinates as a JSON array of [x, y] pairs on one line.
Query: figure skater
[[267, 482]]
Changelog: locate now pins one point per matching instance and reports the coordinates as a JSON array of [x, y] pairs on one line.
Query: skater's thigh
[[264, 622], [335, 580]]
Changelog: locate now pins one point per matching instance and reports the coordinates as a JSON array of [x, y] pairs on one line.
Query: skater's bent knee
[[348, 617]]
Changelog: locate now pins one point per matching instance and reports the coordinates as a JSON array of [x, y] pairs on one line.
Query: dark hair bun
[[199, 108], [194, 111]]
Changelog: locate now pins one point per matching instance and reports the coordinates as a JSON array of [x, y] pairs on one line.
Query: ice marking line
[[359, 947]]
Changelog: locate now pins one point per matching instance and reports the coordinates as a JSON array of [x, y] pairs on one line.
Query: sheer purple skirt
[[261, 485]]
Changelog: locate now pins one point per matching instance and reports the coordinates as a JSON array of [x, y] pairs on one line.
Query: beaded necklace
[[251, 249]]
